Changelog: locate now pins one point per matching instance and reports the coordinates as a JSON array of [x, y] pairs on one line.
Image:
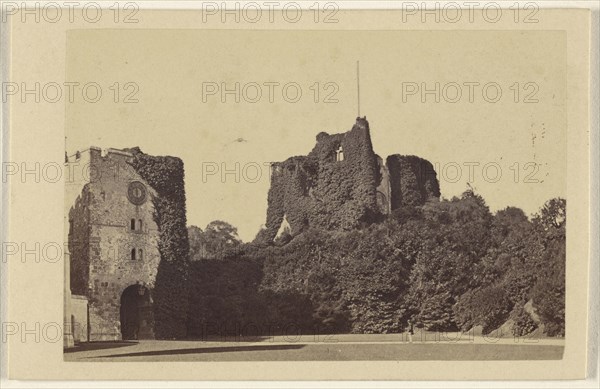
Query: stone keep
[[342, 184], [112, 242]]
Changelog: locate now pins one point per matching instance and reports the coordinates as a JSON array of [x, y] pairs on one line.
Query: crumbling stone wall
[[384, 190], [326, 191], [346, 189], [291, 194], [321, 190], [413, 180]]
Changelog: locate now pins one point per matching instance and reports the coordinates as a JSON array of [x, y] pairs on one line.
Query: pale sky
[[171, 66]]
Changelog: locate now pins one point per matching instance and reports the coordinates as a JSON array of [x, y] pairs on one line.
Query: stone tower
[[342, 184], [113, 243]]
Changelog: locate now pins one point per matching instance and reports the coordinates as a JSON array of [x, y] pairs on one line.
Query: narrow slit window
[[132, 224], [133, 254], [141, 254], [139, 225]]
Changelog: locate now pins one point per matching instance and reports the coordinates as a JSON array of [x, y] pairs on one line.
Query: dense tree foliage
[[548, 256], [445, 265], [223, 296], [218, 240]]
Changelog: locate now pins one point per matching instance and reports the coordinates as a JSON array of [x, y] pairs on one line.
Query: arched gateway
[[136, 316]]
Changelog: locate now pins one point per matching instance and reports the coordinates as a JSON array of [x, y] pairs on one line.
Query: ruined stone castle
[[113, 246], [343, 184]]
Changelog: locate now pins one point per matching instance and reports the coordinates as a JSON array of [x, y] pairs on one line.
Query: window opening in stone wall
[[339, 154]]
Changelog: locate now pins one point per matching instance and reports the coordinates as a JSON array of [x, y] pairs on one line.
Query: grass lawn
[[345, 347]]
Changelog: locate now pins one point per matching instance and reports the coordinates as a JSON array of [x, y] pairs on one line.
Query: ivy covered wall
[[413, 180], [166, 176], [346, 189], [335, 186]]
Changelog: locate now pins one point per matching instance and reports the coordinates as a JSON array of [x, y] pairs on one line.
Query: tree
[[218, 240], [223, 231], [508, 261], [549, 254], [553, 214], [455, 239], [196, 241]]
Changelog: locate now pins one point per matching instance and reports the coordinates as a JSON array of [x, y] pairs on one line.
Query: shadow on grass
[[228, 338], [203, 350], [91, 346]]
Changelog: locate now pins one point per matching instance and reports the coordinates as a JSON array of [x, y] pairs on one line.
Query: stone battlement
[[94, 151]]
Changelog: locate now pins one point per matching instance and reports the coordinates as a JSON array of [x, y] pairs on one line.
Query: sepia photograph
[[309, 192], [333, 208]]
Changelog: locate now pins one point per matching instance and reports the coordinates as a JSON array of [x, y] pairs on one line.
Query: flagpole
[[358, 85]]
